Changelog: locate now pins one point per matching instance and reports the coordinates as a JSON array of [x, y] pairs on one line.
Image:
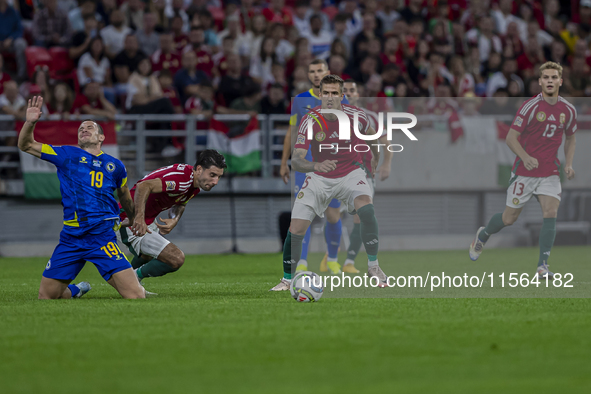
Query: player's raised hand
[[168, 225], [569, 172], [139, 227], [34, 109], [325, 166], [530, 163]]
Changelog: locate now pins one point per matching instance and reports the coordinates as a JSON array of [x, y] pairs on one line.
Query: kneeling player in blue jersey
[[88, 178]]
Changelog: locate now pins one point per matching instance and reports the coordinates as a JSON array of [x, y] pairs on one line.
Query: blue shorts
[[300, 177], [72, 253]]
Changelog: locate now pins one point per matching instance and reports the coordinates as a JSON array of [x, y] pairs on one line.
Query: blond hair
[[551, 66]]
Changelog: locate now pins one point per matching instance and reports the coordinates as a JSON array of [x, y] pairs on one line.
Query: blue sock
[[332, 235], [75, 290], [306, 244]]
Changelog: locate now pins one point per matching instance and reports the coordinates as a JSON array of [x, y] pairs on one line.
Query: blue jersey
[[87, 185]]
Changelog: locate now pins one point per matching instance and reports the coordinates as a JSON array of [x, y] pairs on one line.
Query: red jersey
[[170, 93], [81, 100], [348, 159], [283, 16], [166, 61], [204, 60], [177, 189], [541, 126], [180, 42], [4, 77]]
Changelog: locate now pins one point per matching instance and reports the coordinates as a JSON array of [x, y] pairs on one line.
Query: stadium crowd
[[250, 56]]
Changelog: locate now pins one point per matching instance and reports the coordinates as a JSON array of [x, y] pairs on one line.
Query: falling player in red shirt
[[539, 124], [170, 188], [336, 172]]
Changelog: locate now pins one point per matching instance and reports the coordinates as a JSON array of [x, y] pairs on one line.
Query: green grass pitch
[[215, 328]]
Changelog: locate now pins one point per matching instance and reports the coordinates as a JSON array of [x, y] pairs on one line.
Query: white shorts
[[318, 191], [522, 188], [150, 244], [372, 186]]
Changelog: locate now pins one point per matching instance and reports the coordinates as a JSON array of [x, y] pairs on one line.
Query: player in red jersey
[[170, 188], [336, 172], [539, 125], [383, 171]]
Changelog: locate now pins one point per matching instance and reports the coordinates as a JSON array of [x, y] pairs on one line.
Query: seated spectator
[[260, 66], [4, 77], [463, 81], [166, 58], [283, 48], [197, 45], [104, 8], [92, 101], [501, 79], [114, 35], [175, 9], [231, 84], [202, 103], [81, 40], [320, 39], [168, 90], [51, 26], [336, 65], [485, 39], [187, 79], [301, 17], [127, 60], [144, 94], [232, 30], [278, 73], [219, 59], [340, 35], [180, 38], [250, 43], [274, 102], [133, 11], [11, 102], [11, 38], [40, 80], [249, 102], [77, 15], [206, 21], [94, 64], [61, 100], [367, 68], [148, 39]]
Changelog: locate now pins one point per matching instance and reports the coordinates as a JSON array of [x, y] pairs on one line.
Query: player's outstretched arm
[[126, 202], [284, 169], [529, 162], [26, 141], [142, 192], [569, 153], [300, 164]]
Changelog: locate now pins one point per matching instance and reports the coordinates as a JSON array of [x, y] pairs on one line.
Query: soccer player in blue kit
[[88, 178], [317, 69]]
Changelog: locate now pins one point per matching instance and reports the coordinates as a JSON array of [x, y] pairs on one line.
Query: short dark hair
[[318, 61], [211, 157], [165, 73], [100, 128], [341, 17], [332, 79]]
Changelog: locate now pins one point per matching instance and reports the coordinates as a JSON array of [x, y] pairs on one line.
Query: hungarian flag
[[240, 144], [40, 176]]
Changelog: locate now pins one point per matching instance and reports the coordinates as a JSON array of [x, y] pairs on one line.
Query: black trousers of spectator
[[159, 106]]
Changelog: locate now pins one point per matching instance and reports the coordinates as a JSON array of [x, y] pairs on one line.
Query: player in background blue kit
[[317, 69], [88, 178]]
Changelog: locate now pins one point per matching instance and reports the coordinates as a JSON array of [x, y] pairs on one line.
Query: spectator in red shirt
[[180, 38], [197, 45], [336, 65], [168, 90], [277, 13], [60, 101], [527, 61], [166, 58], [93, 102]]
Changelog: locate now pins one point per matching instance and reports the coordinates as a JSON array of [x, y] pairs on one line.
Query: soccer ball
[[306, 287]]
